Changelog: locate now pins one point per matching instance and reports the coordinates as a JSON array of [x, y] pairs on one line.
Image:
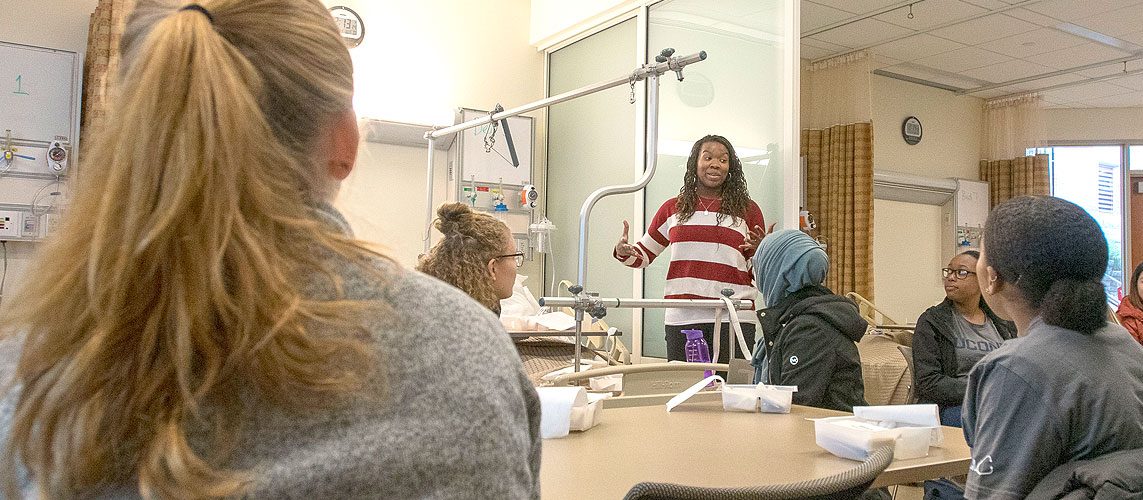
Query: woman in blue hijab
[[808, 332]]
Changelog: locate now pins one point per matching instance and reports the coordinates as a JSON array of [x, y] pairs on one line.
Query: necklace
[[704, 206]]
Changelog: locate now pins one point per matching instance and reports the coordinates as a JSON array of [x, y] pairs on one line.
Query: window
[[1092, 177]]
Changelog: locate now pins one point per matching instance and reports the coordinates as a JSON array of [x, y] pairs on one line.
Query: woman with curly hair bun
[[714, 228], [477, 255]]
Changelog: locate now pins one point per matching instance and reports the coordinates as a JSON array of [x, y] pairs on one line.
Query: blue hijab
[[786, 262]]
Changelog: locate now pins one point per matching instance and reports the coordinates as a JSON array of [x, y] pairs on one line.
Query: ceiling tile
[[1007, 71], [1034, 42], [959, 60], [988, 4], [916, 47], [863, 33], [989, 94], [1085, 92], [1136, 37], [879, 61], [985, 29], [1112, 69], [1043, 83], [815, 16], [1116, 22], [857, 6], [1032, 17], [1132, 100], [931, 13], [822, 44], [1080, 55], [811, 52], [1133, 82], [1071, 10]]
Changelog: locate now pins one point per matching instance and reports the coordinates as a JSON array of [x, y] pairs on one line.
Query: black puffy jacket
[[934, 354], [808, 341], [1115, 476]]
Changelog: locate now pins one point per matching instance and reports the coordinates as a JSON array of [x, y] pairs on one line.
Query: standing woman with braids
[[1070, 387], [210, 327], [713, 228]]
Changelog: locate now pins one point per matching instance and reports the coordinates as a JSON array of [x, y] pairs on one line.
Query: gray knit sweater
[[459, 419]]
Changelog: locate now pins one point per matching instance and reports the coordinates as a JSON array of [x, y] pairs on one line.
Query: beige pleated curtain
[[101, 65], [839, 192], [1026, 175]]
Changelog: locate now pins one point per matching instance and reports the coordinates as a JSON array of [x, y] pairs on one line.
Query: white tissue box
[[776, 398], [855, 438], [739, 397]]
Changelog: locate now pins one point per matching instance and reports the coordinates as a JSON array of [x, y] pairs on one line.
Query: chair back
[[907, 352], [844, 485]]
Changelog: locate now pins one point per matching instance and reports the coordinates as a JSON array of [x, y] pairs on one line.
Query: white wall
[[906, 258], [420, 61], [1115, 124], [907, 253], [952, 130], [57, 24], [553, 20]]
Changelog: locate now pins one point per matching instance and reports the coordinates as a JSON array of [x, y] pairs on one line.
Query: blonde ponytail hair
[[172, 292]]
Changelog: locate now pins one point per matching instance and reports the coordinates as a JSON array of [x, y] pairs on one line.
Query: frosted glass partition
[[737, 93], [591, 144]]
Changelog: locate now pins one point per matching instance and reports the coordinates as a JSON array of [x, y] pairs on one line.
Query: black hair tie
[[198, 8]]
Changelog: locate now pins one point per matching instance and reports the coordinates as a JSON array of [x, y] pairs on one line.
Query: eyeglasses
[[519, 258], [960, 273]]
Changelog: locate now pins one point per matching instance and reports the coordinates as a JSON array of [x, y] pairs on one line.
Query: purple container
[[696, 349]]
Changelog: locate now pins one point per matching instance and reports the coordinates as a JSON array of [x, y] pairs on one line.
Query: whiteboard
[[38, 93], [495, 166]]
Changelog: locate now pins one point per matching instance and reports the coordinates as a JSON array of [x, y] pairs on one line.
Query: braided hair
[[735, 196]]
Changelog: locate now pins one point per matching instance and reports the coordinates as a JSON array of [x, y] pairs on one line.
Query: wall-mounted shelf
[[401, 134]]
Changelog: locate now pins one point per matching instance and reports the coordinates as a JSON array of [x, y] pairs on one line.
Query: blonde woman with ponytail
[[205, 325]]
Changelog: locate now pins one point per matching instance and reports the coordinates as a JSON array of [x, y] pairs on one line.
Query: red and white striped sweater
[[705, 258]]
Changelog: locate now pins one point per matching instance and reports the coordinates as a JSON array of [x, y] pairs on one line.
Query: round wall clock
[[349, 24], [911, 130]]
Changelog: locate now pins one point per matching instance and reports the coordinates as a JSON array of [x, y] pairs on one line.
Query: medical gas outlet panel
[[25, 224]]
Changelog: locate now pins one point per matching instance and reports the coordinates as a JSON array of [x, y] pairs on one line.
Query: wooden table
[[699, 444]]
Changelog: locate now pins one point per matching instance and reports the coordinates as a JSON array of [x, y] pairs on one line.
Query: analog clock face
[[349, 24]]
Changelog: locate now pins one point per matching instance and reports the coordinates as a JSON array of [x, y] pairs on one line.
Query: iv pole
[[642, 73], [581, 301]]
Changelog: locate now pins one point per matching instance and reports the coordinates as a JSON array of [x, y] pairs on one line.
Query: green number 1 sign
[[20, 85]]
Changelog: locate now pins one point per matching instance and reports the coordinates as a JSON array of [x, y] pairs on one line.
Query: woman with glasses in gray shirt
[[952, 336]]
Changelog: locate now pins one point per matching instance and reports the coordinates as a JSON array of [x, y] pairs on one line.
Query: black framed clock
[[349, 24], [911, 130]]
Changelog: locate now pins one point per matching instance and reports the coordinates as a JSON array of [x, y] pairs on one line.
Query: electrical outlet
[[31, 226], [51, 223], [10, 223]]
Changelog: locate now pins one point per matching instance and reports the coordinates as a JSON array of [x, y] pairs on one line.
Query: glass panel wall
[[592, 143], [736, 93]]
